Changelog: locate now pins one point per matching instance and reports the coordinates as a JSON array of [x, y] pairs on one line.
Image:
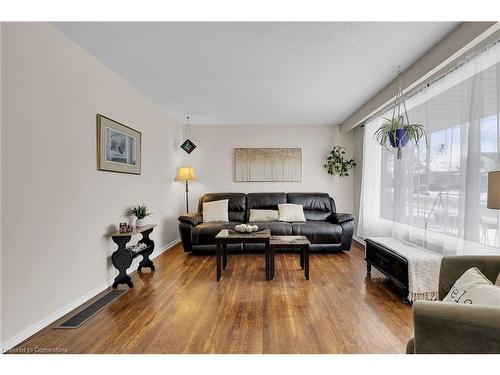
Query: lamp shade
[[185, 174], [494, 189]]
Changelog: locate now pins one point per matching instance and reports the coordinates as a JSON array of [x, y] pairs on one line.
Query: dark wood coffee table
[[227, 236], [291, 242]]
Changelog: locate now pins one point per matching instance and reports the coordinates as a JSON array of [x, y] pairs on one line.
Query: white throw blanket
[[423, 268]]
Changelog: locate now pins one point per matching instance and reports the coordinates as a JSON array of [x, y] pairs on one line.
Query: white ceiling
[[258, 73]]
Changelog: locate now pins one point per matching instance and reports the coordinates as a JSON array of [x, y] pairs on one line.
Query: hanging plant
[[337, 164], [398, 133], [398, 130]]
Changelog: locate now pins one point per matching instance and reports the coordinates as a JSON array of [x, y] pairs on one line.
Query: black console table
[[123, 256]]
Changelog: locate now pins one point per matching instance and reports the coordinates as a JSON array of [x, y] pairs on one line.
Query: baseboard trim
[[359, 241], [37, 327]]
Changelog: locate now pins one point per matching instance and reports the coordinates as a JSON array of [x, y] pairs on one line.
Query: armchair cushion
[[339, 218], [193, 218]]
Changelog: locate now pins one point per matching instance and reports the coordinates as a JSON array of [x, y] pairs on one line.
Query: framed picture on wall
[[118, 147]]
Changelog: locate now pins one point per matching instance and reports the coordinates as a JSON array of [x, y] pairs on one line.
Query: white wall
[[213, 159], [56, 206], [1, 116]]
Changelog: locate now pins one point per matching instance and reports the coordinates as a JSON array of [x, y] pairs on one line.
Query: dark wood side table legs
[[221, 259], [123, 256], [304, 260], [122, 259], [218, 259], [146, 262], [270, 260], [224, 256]]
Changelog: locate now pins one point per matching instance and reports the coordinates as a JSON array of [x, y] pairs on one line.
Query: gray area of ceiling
[[256, 72]]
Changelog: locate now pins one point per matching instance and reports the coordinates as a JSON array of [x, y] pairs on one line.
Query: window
[[442, 188]]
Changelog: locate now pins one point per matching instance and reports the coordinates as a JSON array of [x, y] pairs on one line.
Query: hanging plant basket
[[399, 138], [398, 131]]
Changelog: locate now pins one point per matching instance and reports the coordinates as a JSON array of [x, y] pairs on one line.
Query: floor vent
[[77, 320]]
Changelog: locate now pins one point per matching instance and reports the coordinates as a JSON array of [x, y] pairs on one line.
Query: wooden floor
[[182, 309]]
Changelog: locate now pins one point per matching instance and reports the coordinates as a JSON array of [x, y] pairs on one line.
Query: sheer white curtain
[[435, 196]]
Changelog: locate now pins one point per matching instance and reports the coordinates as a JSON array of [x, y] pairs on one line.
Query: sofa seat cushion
[[278, 228], [318, 231], [204, 234]]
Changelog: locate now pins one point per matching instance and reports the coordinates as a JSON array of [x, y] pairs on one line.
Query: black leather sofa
[[324, 227]]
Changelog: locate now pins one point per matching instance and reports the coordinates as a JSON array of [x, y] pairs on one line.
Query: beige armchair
[[447, 328]]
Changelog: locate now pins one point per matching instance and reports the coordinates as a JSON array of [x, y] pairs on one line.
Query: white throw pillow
[[216, 211], [263, 215], [291, 212], [475, 289]]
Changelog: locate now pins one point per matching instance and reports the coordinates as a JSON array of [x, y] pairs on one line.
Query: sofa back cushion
[[264, 201], [236, 205], [291, 212], [317, 206], [216, 211], [263, 215]]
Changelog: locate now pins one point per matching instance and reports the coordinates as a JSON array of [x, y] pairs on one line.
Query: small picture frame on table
[[123, 227]]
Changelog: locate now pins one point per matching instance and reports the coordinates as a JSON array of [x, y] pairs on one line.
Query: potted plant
[[140, 211], [398, 132], [337, 164]]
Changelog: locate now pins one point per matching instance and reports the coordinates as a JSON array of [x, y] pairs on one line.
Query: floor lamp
[[186, 174]]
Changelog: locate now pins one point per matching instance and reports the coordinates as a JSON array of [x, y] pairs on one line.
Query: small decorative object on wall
[[140, 211], [188, 145], [337, 164], [268, 164], [118, 147], [398, 130]]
